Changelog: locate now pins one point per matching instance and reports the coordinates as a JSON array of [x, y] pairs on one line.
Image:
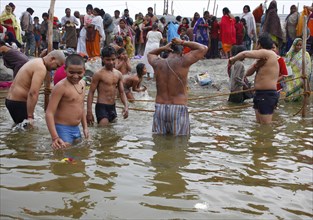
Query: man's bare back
[[171, 73], [29, 79]]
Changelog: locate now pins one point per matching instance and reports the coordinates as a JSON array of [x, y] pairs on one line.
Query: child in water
[[67, 95], [132, 82]]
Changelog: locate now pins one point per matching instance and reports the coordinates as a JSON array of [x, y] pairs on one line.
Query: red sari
[[227, 32]]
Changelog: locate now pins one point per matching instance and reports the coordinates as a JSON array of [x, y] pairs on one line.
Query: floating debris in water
[[202, 206]]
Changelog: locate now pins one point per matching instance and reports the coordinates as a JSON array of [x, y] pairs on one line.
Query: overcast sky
[[180, 7]]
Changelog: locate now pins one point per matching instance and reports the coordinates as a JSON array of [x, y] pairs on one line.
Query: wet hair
[[237, 18], [12, 5], [74, 59], [117, 11], [45, 14], [67, 9], [187, 20], [162, 19], [139, 69], [247, 7], [120, 51], [226, 11], [36, 18], [150, 8], [178, 49], [213, 18], [178, 18], [108, 51], [126, 10], [265, 41]]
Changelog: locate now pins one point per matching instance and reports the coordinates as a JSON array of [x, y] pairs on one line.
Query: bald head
[[54, 59]]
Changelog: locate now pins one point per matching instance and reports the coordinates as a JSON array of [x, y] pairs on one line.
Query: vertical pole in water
[[47, 81], [283, 9], [214, 7], [304, 74], [154, 10]]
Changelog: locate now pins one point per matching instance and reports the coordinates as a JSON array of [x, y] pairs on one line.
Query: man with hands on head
[[171, 73]]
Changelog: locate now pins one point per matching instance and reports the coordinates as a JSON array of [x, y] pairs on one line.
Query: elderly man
[[24, 91]]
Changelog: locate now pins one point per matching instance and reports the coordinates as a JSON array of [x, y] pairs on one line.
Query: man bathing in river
[[266, 96]]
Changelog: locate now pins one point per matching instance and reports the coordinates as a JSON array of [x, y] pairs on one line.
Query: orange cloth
[[310, 25], [257, 13], [226, 47], [93, 48], [299, 28]]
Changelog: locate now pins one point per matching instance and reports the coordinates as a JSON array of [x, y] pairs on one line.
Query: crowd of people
[[168, 50]]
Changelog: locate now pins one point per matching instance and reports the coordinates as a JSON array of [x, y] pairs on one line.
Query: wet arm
[[55, 98], [33, 93], [123, 96], [197, 51], [92, 89]]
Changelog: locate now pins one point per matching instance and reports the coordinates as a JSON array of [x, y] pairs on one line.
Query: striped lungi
[[171, 119]]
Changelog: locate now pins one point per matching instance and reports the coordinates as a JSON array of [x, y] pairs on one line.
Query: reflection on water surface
[[230, 167]]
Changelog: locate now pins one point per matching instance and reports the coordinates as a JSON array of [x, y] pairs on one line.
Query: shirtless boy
[[132, 82], [105, 81], [266, 96], [171, 112], [122, 63], [66, 96], [24, 91]]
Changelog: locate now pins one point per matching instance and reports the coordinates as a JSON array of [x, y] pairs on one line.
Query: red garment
[[180, 26], [215, 30], [239, 33], [282, 70], [59, 74], [227, 30], [8, 24]]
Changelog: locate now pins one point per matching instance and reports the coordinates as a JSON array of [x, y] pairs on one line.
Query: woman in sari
[[95, 31], [201, 29], [126, 33], [227, 32], [8, 20], [294, 60]]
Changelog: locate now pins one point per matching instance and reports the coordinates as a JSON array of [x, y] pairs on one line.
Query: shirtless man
[[266, 96], [67, 95], [171, 112], [122, 63], [12, 58], [105, 81], [24, 91], [132, 82]]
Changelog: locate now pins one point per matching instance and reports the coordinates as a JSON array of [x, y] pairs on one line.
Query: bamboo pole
[[47, 81], [214, 8], [304, 74], [207, 8]]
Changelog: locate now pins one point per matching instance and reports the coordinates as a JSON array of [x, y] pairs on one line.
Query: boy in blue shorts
[[65, 110]]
